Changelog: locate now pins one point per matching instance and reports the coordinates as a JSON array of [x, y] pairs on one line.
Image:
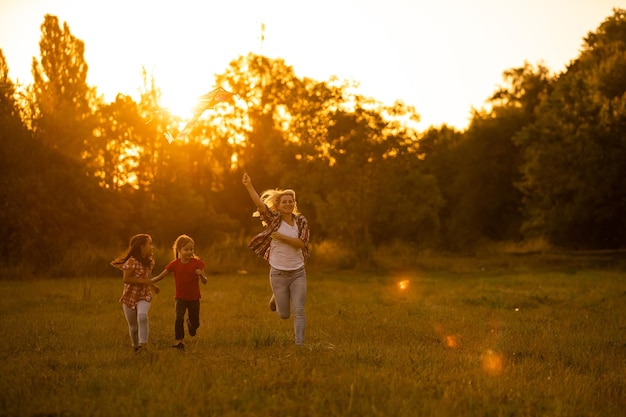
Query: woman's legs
[[289, 287], [279, 280], [298, 297]]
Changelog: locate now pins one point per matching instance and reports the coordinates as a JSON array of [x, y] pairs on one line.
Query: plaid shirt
[[135, 292], [260, 244]]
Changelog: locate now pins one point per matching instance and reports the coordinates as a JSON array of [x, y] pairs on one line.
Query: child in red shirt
[[188, 271]]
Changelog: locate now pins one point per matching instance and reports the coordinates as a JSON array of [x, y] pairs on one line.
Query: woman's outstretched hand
[[246, 179], [247, 182]]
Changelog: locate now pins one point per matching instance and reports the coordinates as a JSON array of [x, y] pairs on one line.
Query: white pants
[[137, 319]]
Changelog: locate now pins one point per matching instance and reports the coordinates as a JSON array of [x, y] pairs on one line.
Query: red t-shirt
[[187, 282]]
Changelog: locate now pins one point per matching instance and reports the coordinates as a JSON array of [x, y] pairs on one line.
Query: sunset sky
[[443, 57]]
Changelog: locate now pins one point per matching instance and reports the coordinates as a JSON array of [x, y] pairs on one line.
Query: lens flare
[[492, 363], [403, 285], [452, 341]]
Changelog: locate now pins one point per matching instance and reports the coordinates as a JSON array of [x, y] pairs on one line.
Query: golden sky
[[443, 57]]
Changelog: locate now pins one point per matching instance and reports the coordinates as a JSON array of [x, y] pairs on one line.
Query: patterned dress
[[135, 292]]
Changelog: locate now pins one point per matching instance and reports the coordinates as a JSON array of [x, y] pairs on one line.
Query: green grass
[[490, 339]]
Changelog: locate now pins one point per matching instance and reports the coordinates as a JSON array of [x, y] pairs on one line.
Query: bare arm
[[247, 182], [161, 276]]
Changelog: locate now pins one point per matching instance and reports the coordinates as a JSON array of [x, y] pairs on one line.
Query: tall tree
[[14, 140], [443, 155], [112, 157], [574, 167], [13, 127], [478, 170], [64, 100], [48, 204]]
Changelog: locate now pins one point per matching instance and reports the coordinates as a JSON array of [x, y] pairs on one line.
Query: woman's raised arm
[[247, 182]]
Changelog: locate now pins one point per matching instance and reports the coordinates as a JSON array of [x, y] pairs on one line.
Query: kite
[[205, 102]]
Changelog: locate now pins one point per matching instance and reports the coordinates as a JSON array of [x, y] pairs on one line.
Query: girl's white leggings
[[137, 319]]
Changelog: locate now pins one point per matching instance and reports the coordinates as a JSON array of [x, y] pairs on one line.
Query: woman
[[284, 244]]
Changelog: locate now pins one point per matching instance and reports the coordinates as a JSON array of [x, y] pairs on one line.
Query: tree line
[[545, 160]]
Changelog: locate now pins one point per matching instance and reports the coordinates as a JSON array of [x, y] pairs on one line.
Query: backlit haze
[[442, 57]]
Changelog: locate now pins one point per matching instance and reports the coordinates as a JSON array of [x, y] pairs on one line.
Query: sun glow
[[180, 104], [452, 341], [403, 285]]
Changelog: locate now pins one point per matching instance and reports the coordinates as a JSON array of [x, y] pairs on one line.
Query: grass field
[[456, 339]]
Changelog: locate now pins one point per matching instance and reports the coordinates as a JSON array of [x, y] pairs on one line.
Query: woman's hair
[[271, 198], [134, 250], [179, 243]]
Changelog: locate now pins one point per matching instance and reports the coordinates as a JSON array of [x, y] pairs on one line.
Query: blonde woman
[[284, 244]]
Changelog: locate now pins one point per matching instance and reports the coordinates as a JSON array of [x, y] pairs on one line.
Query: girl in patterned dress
[[137, 266]]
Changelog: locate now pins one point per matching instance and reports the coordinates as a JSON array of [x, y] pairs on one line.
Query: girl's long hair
[[134, 250]]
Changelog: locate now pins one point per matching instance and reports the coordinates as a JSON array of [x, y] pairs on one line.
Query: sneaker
[[138, 349], [192, 330], [179, 346], [272, 303]]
